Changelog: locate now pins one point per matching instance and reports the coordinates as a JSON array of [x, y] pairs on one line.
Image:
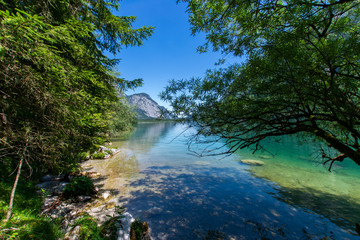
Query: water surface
[[292, 196]]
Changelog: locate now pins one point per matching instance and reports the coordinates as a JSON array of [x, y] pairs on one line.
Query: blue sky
[[171, 51]]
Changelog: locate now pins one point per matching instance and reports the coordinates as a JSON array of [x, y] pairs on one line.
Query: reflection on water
[[145, 136], [184, 197]]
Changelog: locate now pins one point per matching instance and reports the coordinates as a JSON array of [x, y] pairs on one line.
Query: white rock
[[105, 195], [252, 162], [83, 198], [124, 232], [102, 149]]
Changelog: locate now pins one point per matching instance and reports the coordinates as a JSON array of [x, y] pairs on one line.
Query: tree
[[58, 93], [55, 78], [300, 75]]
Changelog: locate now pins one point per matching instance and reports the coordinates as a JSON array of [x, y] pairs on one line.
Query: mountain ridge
[[146, 107]]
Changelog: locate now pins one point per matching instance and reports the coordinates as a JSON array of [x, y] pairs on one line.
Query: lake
[[181, 196]]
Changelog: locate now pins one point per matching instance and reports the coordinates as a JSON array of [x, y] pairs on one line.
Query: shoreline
[[112, 190], [100, 206]]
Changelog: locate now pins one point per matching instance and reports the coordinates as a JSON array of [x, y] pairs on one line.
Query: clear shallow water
[[184, 197]]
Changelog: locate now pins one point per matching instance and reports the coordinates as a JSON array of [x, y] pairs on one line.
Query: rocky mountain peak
[[146, 107]]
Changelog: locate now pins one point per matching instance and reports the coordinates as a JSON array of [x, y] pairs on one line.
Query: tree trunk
[[12, 196], [338, 145]]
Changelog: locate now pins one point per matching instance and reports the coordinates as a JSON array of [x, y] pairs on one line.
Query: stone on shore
[[105, 195], [91, 174], [50, 178], [124, 232], [70, 210], [51, 187]]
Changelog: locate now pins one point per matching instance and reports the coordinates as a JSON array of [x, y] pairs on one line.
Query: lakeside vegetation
[[61, 96], [300, 74], [27, 222]]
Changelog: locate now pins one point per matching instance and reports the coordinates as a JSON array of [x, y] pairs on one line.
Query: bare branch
[[339, 158]]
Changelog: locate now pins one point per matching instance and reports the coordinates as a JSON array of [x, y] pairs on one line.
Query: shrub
[[109, 151], [89, 228], [79, 186], [138, 229], [83, 156], [98, 155]]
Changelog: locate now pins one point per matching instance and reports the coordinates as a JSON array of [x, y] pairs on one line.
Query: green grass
[[26, 222], [91, 230], [98, 155], [137, 229], [88, 228]]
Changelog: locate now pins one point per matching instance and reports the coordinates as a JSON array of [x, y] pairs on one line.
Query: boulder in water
[[252, 162]]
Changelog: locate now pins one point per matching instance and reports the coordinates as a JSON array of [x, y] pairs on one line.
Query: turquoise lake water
[[181, 196]]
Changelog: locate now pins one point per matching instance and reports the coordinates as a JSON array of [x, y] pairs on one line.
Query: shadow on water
[[183, 198], [216, 203], [338, 209], [303, 182]]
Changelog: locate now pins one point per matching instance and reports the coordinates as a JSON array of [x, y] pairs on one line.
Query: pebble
[[105, 195], [83, 198]]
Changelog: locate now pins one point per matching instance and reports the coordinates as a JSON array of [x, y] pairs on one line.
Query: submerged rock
[[252, 162]]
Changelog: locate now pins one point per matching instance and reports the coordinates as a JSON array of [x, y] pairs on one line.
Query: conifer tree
[[57, 83]]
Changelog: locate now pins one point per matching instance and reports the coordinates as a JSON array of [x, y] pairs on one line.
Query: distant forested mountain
[[147, 108]]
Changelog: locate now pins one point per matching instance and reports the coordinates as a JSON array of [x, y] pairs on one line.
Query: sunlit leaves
[[301, 72], [56, 79]]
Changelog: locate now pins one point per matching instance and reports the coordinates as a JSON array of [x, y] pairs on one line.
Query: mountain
[[146, 107]]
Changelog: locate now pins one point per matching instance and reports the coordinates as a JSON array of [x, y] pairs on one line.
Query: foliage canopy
[[58, 91], [301, 73]]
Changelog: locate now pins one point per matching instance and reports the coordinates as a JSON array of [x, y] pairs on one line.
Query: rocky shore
[[99, 205]]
